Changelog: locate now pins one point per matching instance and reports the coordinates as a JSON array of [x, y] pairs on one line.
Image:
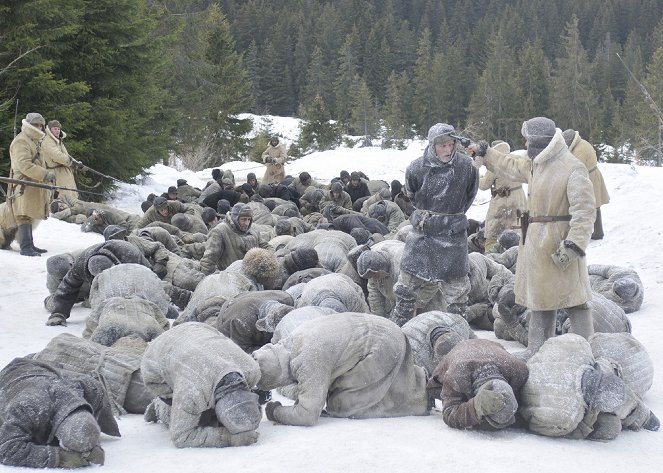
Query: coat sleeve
[[376, 299], [486, 181], [213, 250], [582, 208], [458, 411], [313, 380], [52, 152], [16, 445], [512, 167], [67, 292], [23, 162], [185, 430], [472, 187]]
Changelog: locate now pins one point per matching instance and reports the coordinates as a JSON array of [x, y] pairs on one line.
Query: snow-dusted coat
[[296, 317], [393, 215], [436, 248], [503, 209], [113, 367], [187, 193], [237, 318], [455, 374], [336, 291], [558, 185], [129, 280], [552, 398], [118, 251], [27, 164], [227, 244], [35, 397], [628, 357], [57, 158], [418, 331], [607, 317], [508, 258], [186, 364], [274, 172], [381, 299], [210, 295], [344, 202], [602, 278], [119, 317], [482, 272], [174, 207], [332, 247], [585, 153], [360, 365]]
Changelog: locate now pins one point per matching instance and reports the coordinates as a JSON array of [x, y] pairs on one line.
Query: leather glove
[[269, 159], [96, 455], [50, 176], [566, 254], [68, 459], [269, 409], [487, 401], [243, 439]]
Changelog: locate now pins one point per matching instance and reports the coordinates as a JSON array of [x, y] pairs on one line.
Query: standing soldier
[[57, 158], [274, 158], [29, 204], [584, 152]]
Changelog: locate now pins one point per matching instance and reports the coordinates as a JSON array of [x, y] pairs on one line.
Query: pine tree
[[649, 128], [318, 133], [424, 84], [364, 114], [574, 101], [347, 70], [397, 128], [534, 81]]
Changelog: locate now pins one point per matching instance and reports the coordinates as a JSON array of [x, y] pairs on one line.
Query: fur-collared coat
[[57, 158], [27, 163], [436, 248], [585, 153], [35, 397], [359, 365], [558, 185], [507, 199], [185, 364], [274, 171]]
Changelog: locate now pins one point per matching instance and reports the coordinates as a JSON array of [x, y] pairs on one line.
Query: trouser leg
[[598, 226], [25, 239], [541, 328], [581, 320]]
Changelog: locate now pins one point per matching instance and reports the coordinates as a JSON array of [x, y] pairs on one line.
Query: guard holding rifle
[[551, 272], [28, 205]]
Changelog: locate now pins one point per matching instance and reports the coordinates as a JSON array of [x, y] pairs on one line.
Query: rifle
[[82, 167], [15, 115], [41, 185]]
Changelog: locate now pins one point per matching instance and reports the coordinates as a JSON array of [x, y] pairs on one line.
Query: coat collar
[[431, 160], [31, 132], [556, 145], [50, 134]]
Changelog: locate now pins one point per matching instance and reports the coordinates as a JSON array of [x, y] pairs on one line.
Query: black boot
[[25, 240], [38, 250], [598, 226]]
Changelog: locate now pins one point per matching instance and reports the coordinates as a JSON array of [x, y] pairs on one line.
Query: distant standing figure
[[57, 158], [274, 158]]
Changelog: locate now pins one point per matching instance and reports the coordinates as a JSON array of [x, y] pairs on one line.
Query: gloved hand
[[487, 401], [69, 459], [96, 455], [50, 176], [244, 438], [269, 409], [566, 254], [269, 159]]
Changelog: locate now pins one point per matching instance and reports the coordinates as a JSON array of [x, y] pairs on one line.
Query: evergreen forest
[[136, 81]]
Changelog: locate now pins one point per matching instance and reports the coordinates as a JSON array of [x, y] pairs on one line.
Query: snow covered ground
[[633, 229]]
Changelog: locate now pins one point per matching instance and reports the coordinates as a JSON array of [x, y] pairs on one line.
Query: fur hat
[[181, 182], [172, 190], [251, 175], [208, 214], [283, 227], [345, 175], [265, 190], [240, 210], [371, 261], [226, 182], [35, 119], [145, 205], [337, 187], [78, 432], [54, 123], [304, 177], [261, 265], [378, 210], [569, 135], [361, 235], [291, 212], [626, 288], [316, 195], [222, 207], [538, 132], [440, 133], [216, 173], [354, 176], [160, 202], [114, 232], [55, 205], [270, 314], [443, 340], [508, 238], [98, 263], [300, 259], [182, 221]]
